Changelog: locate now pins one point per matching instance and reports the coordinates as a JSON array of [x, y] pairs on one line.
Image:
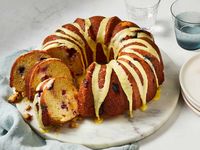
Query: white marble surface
[[119, 130], [25, 23]]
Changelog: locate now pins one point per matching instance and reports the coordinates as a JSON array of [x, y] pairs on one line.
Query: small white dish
[[189, 78], [190, 105], [190, 101]]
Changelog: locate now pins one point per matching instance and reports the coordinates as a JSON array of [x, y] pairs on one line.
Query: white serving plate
[[190, 104], [189, 78], [121, 130]]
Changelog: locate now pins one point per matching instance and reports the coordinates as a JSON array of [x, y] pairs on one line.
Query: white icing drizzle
[[148, 48], [63, 42], [67, 36], [91, 43], [101, 36], [68, 32], [73, 37], [38, 111], [135, 76], [146, 60], [60, 42], [49, 84], [123, 33], [124, 82], [46, 84], [142, 88], [117, 39], [143, 34], [100, 94], [40, 85]]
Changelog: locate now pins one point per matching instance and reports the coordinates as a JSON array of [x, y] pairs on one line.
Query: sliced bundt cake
[[121, 64], [116, 66], [56, 101], [51, 67], [21, 67]]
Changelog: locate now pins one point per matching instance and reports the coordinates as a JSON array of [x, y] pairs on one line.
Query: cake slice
[[55, 102], [22, 66], [48, 68]]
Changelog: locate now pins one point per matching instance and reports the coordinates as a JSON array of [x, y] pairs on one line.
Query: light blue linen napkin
[[15, 134]]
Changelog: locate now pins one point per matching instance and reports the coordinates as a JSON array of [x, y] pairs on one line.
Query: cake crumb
[[23, 94], [73, 124], [78, 118], [16, 97], [27, 116], [28, 108]]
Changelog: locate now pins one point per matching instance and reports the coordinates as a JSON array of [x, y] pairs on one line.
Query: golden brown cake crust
[[85, 97], [21, 67]]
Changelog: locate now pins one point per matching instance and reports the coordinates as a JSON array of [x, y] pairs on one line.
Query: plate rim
[[181, 80]]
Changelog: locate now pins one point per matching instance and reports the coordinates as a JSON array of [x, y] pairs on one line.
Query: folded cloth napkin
[[15, 134]]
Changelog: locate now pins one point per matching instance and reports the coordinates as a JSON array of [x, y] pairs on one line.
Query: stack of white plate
[[189, 78]]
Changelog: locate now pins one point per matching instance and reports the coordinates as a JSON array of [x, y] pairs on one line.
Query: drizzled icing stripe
[[91, 43], [143, 73], [117, 43], [128, 50], [40, 88], [148, 48], [100, 94], [62, 42], [143, 34], [39, 113], [101, 36], [134, 75], [116, 40], [72, 34], [62, 35], [73, 37], [46, 84], [123, 33], [124, 82]]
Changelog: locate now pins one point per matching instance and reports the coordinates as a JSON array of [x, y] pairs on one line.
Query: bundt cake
[[21, 67], [51, 67], [55, 101], [114, 65], [121, 65]]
